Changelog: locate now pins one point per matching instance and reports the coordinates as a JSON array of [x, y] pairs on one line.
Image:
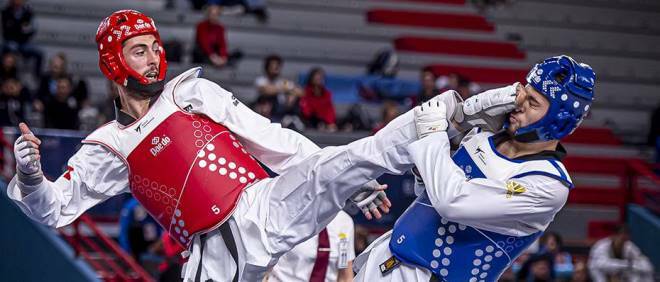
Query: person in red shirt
[[211, 42], [316, 105]]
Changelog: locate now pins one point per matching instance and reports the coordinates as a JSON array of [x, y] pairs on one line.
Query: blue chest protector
[[456, 252]]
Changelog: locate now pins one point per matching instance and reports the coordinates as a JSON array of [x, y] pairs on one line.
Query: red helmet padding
[[112, 32]]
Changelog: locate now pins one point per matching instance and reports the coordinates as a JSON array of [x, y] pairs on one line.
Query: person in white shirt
[[328, 256], [280, 93], [616, 258], [480, 208]]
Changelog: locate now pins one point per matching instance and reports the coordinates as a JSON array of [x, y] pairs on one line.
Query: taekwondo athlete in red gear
[[188, 150], [480, 208]]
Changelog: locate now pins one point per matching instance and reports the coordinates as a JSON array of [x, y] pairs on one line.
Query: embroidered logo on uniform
[[234, 100], [480, 154], [514, 188], [188, 108], [67, 174], [143, 125], [159, 144]]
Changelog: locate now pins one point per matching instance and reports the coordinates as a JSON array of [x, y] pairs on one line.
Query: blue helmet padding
[[569, 86]]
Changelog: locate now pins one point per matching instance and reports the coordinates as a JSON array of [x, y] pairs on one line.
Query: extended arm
[[93, 175]]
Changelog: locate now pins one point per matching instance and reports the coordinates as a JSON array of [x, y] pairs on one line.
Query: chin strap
[[145, 90], [528, 137]]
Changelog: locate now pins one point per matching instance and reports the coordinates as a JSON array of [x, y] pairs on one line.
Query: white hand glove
[[26, 151], [487, 110], [431, 117], [368, 200]]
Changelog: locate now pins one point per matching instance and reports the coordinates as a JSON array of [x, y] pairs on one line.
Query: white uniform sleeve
[[485, 203], [639, 261], [600, 262], [94, 175], [276, 147]]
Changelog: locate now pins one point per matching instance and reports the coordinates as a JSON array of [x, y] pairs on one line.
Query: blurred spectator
[[616, 258], [385, 64], [357, 118], [255, 7], [62, 110], [17, 30], [8, 68], [483, 5], [57, 69], [536, 269], [14, 101], [580, 272], [107, 108], [316, 106], [428, 89], [523, 259], [448, 82], [210, 40], [281, 94], [464, 88], [530, 266], [552, 244], [263, 106], [138, 231], [89, 117], [381, 83], [390, 112], [458, 82]]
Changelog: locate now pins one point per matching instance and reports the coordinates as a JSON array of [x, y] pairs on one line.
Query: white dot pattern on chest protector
[[184, 236], [232, 170], [442, 253]]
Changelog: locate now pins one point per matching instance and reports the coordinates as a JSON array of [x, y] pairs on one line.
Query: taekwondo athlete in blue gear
[[483, 206]]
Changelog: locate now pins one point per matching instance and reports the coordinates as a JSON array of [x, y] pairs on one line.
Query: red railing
[[123, 268], [630, 189]]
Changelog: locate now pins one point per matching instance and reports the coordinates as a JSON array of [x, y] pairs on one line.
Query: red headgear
[[112, 32]]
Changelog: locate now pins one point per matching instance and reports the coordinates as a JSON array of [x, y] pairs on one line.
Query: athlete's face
[[142, 54], [531, 107]]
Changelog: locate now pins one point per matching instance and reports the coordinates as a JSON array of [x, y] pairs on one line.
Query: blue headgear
[[569, 86]]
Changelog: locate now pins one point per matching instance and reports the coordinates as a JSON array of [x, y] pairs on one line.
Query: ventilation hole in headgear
[[560, 77], [122, 20]]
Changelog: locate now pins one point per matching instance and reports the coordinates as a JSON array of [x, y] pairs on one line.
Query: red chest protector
[[188, 172]]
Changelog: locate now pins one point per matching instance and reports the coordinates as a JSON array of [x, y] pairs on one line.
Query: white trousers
[[367, 265], [276, 214]]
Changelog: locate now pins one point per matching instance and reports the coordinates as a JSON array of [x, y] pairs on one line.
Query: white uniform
[[272, 216], [297, 264], [632, 266], [481, 203]]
